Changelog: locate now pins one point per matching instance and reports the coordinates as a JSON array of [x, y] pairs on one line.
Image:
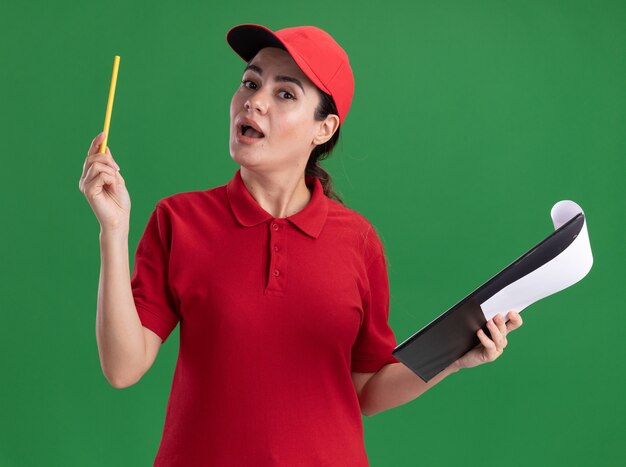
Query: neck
[[282, 194]]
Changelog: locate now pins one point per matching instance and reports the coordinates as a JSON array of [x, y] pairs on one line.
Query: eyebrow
[[288, 79]]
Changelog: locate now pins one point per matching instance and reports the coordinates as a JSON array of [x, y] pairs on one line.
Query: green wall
[[469, 121]]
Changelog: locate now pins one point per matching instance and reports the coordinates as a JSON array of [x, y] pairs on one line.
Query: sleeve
[[375, 341], [153, 297]]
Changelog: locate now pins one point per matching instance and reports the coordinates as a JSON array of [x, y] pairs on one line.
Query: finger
[[491, 351], [103, 178], [485, 341], [95, 170], [106, 158], [92, 157], [95, 144], [515, 321], [120, 178], [499, 320], [496, 335]]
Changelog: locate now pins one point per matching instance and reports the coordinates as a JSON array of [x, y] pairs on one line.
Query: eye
[[288, 95], [245, 81]]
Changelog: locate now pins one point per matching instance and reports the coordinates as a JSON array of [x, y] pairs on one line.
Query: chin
[[247, 158]]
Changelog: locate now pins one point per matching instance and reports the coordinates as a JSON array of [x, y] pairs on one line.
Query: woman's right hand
[[104, 188]]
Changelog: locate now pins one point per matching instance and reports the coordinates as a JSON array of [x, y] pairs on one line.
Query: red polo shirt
[[274, 313]]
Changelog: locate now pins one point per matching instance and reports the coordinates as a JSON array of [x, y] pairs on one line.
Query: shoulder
[[352, 220], [190, 201], [342, 213]]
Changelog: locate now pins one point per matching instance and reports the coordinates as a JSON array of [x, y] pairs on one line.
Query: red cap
[[317, 54]]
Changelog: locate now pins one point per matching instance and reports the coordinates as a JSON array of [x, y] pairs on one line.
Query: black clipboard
[[453, 333]]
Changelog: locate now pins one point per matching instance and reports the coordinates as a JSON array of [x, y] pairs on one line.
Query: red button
[[275, 226], [275, 247], [276, 273]]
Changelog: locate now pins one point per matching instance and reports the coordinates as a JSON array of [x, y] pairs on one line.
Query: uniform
[[274, 314]]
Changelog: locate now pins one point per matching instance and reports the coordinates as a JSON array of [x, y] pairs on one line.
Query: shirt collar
[[248, 212]]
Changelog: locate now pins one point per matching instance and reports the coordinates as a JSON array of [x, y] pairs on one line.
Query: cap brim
[[247, 39]]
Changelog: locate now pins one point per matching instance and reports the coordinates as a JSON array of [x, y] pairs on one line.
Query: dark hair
[[322, 151]]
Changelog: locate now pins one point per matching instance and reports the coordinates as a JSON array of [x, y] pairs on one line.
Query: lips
[[249, 128], [250, 132]]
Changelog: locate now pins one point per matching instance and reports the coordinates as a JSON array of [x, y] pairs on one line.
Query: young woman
[[280, 291]]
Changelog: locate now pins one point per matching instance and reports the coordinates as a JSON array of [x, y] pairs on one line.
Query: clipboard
[[558, 261]]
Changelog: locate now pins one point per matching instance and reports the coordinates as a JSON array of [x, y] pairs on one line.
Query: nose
[[257, 101]]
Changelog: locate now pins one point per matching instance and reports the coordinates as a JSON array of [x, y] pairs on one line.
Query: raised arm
[[126, 348]]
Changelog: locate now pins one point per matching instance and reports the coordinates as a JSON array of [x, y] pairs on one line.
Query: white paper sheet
[[570, 266]]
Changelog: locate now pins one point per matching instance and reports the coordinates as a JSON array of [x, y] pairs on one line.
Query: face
[[277, 98]]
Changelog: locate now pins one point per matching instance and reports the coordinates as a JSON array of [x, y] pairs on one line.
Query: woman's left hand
[[490, 349]]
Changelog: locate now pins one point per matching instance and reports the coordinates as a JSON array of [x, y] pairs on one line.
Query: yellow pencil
[[107, 118]]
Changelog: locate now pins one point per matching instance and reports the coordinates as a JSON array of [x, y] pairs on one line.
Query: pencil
[[107, 118]]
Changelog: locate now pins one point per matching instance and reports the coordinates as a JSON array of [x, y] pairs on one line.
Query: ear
[[326, 129]]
